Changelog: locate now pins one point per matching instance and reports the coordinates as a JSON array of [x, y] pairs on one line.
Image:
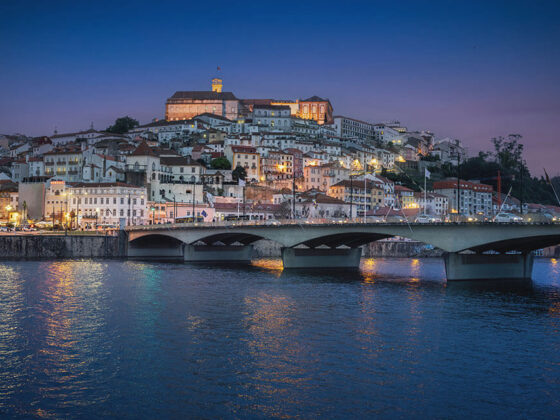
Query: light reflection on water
[[133, 339]]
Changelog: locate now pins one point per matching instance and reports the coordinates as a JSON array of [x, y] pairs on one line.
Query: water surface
[[157, 340]]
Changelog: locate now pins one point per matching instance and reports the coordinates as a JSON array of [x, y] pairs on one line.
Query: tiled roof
[[202, 95], [243, 149], [144, 150], [314, 98], [178, 161], [358, 184], [103, 184]]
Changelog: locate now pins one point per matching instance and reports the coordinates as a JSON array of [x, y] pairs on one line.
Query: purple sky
[[471, 70]]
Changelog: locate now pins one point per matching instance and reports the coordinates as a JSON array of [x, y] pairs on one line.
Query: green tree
[[507, 159], [508, 151], [123, 125], [220, 163], [239, 173]]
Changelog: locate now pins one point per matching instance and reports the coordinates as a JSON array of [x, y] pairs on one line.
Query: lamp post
[[351, 195], [458, 188], [96, 217], [8, 210], [174, 209], [153, 215], [193, 202], [521, 186]]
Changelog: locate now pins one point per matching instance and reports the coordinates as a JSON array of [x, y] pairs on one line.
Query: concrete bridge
[[337, 245]]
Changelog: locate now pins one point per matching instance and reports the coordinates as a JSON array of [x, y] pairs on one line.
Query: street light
[[96, 217]]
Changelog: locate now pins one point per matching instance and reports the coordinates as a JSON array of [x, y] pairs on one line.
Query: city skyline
[[473, 71]]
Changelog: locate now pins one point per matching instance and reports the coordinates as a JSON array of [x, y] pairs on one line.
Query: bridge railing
[[302, 222]]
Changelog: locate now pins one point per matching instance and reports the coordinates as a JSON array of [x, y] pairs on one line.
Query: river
[[122, 339]]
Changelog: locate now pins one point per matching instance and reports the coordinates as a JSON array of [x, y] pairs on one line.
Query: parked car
[[395, 219], [424, 218], [507, 218]]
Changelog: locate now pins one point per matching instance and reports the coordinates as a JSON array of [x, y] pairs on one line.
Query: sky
[[471, 70]]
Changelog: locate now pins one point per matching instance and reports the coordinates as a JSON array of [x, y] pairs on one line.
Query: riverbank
[[58, 246]]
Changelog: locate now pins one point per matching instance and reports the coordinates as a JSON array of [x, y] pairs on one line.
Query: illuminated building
[[185, 105], [352, 128], [247, 157], [365, 195], [317, 109], [474, 197], [277, 165], [322, 177], [8, 198], [272, 116], [64, 162], [435, 204]]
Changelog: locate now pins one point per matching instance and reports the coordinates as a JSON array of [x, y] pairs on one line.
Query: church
[[184, 105]]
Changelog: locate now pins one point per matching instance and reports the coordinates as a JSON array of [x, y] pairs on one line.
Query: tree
[[507, 159], [220, 163], [239, 173], [508, 152], [123, 125]]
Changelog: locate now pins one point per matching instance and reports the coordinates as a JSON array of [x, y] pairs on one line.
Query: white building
[[351, 128], [474, 198], [272, 117], [108, 203]]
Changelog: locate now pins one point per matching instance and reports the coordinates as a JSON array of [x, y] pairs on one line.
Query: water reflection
[[131, 339]]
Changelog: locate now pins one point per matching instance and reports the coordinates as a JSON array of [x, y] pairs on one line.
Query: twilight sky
[[466, 69]]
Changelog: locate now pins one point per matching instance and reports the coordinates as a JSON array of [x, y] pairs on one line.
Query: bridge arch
[[156, 245]]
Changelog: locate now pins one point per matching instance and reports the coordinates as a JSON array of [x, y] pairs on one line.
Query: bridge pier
[[487, 266], [321, 258], [225, 253]]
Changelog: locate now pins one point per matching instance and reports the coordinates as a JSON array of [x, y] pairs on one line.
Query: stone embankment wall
[[60, 246]]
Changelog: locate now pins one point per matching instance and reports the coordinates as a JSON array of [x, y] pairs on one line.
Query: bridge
[[473, 250]]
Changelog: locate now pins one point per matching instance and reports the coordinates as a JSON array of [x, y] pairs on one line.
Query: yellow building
[[247, 157]]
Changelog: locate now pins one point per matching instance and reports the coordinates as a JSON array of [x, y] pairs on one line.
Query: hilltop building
[[185, 105]]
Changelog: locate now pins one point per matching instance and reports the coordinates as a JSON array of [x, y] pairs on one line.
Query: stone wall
[[60, 246]]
